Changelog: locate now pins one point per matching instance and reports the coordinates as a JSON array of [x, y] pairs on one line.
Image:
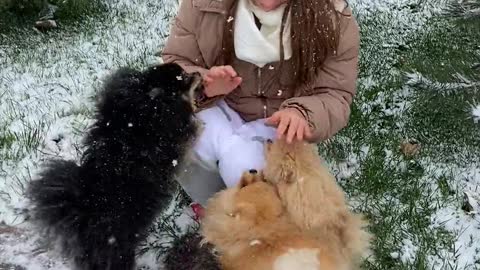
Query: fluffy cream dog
[[250, 229], [313, 200]]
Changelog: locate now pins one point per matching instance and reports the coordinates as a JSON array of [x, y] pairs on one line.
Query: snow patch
[[476, 113]]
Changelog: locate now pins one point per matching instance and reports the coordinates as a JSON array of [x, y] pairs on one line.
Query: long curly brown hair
[[315, 34]]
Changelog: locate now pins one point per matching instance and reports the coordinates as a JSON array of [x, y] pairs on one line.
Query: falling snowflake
[[111, 240], [130, 125], [229, 19], [179, 78], [174, 163], [271, 67], [279, 93], [108, 124]]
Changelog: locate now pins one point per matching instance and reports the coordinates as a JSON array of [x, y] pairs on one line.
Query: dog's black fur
[[99, 210]]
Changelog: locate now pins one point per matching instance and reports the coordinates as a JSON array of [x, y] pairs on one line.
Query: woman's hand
[[220, 80], [290, 123]]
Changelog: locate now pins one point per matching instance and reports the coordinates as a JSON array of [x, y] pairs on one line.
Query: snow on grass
[[21, 248], [454, 218], [476, 113], [48, 88], [390, 27], [387, 28], [465, 254], [408, 251], [420, 81]]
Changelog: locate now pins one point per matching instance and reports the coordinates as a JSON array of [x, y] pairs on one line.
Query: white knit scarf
[[260, 46]]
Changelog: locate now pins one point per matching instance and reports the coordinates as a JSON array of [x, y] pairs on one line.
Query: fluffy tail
[[73, 218], [357, 238]]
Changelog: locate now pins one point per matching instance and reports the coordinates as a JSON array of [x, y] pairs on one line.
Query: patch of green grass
[[6, 140], [399, 205], [444, 186], [390, 190], [441, 119], [451, 47], [443, 123], [26, 141], [399, 195]]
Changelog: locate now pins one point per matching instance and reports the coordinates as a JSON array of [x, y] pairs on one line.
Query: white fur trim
[[260, 46], [305, 259]]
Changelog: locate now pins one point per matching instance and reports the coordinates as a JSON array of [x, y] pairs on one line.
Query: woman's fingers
[[230, 71], [235, 82], [282, 126], [292, 129], [301, 131]]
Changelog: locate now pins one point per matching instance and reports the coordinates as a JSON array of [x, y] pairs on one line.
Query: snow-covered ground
[[47, 85]]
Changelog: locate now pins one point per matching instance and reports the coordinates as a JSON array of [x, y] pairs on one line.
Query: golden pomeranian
[[249, 228], [314, 201]]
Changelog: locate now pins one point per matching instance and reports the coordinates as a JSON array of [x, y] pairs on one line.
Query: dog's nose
[[253, 171]]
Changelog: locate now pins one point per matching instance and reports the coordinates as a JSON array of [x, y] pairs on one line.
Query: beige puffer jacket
[[196, 39]]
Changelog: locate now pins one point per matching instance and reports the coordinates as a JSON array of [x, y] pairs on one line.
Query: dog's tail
[[357, 238], [63, 205]]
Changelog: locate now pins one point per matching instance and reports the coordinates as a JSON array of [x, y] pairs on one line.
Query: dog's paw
[[250, 177]]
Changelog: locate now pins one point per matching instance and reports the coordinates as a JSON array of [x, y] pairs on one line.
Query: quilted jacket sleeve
[[326, 103]]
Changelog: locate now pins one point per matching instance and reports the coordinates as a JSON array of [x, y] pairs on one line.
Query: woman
[[271, 69]]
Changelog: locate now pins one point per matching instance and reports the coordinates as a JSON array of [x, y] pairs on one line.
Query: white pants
[[229, 145]]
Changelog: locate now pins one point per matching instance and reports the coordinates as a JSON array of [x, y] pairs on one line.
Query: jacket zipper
[[259, 82], [260, 92]]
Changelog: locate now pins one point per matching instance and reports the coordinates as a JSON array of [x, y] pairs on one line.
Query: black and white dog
[[100, 209]]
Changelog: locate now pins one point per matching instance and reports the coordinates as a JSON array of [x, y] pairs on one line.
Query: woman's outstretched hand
[[220, 80], [290, 124]]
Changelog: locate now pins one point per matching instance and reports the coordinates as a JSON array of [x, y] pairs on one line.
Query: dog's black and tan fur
[[99, 210]]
